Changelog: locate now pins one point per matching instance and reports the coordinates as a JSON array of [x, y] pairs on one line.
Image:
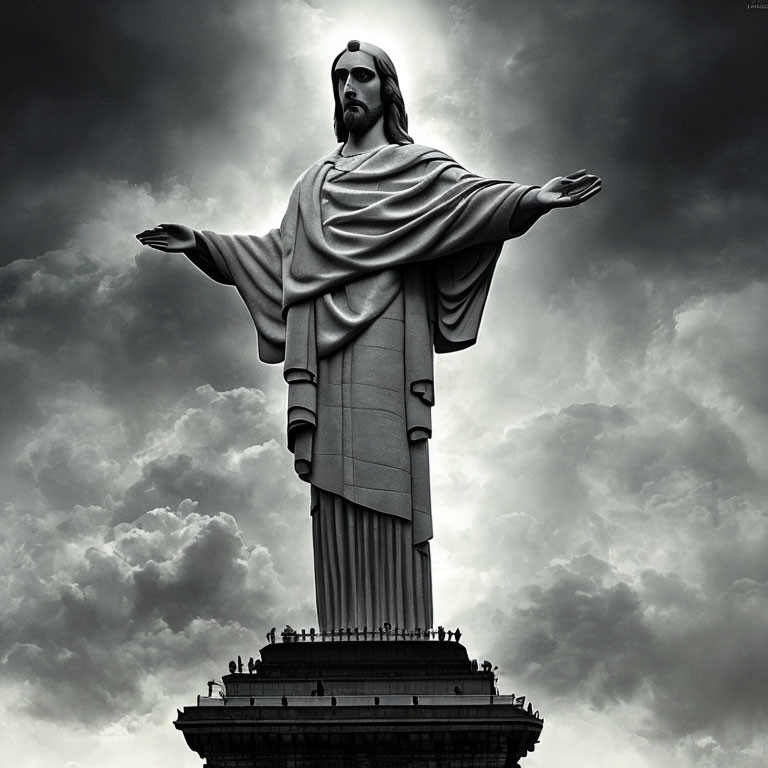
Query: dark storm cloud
[[693, 661], [106, 613], [137, 91], [104, 348], [663, 100], [121, 388], [616, 546], [136, 336], [223, 449], [590, 498], [219, 449], [727, 334], [590, 475], [98, 614], [584, 638]]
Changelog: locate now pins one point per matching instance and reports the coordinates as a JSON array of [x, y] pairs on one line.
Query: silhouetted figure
[[211, 683]]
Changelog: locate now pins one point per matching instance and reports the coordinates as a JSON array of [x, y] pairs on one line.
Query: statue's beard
[[361, 120]]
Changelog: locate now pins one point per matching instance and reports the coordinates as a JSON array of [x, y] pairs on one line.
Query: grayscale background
[[600, 463]]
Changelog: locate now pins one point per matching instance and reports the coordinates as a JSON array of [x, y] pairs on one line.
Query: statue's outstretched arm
[[178, 238], [169, 237], [561, 192]]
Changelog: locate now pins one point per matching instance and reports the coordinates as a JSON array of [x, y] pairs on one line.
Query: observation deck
[[372, 703]]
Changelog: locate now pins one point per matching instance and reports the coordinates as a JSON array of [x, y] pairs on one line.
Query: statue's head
[[376, 93]]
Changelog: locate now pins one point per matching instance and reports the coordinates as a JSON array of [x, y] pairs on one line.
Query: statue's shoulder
[[420, 152], [397, 154], [311, 172], [408, 158], [390, 160]]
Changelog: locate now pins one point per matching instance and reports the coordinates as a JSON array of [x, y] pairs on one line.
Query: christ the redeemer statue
[[385, 254]]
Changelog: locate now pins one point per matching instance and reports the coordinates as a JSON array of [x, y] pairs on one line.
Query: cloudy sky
[[600, 467]]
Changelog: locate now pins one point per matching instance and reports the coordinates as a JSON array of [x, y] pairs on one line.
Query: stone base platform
[[361, 704]]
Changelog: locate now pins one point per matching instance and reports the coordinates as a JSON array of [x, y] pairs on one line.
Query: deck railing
[[387, 633], [384, 700]]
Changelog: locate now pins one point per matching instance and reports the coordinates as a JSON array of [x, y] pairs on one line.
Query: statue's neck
[[373, 138]]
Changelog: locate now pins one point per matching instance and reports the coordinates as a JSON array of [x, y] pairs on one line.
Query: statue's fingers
[[155, 232], [577, 187], [596, 184], [585, 186], [587, 193], [591, 193], [575, 174], [576, 198]]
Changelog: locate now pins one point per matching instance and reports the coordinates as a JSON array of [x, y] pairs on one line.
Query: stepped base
[[417, 704]]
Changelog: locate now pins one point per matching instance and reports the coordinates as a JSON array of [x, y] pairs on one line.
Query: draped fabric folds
[[381, 259], [368, 570]]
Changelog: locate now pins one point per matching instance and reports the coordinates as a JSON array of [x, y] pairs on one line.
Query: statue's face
[[359, 89]]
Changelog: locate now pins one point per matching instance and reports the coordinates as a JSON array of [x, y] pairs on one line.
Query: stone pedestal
[[411, 703]]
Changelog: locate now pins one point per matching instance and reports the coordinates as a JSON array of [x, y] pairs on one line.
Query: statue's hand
[[168, 237], [574, 189]]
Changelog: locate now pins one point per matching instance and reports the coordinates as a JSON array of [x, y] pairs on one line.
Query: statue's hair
[[395, 117]]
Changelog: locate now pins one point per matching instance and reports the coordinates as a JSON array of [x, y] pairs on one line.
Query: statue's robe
[[380, 259]]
